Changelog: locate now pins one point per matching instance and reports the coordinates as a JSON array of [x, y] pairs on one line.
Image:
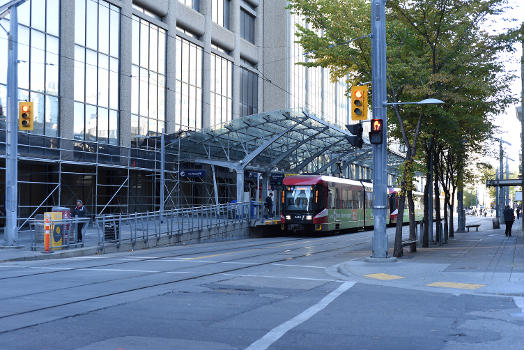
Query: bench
[[470, 226], [412, 243]]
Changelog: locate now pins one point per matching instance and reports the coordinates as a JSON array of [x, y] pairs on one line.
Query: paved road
[[272, 293]]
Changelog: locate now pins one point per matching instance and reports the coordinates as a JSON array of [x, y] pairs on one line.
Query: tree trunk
[[425, 235], [446, 206], [438, 233], [412, 223], [397, 251]]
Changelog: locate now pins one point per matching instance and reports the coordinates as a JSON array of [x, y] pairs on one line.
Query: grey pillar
[[235, 28], [171, 68], [240, 184], [67, 71], [259, 42], [205, 9], [126, 43]]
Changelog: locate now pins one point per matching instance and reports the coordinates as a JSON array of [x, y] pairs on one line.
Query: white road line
[[307, 266], [283, 277], [176, 272], [277, 332], [50, 268]]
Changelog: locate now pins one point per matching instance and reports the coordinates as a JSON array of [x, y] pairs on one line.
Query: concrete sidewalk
[[483, 262]]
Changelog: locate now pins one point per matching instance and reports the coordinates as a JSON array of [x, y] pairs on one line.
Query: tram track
[[355, 243], [160, 284]]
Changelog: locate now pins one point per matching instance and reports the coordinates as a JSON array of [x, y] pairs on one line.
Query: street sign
[[193, 173], [276, 178]]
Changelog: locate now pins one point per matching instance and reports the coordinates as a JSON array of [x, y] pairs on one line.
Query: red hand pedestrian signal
[[376, 133]]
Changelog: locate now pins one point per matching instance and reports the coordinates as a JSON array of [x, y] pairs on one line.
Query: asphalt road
[[272, 293]]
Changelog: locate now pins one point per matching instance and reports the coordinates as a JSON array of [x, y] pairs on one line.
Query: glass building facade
[[97, 45], [188, 114], [221, 90], [38, 63], [248, 92], [147, 78]]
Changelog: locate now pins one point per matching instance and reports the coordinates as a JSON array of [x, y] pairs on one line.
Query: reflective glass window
[[221, 90], [97, 69], [220, 12], [38, 63], [148, 77]]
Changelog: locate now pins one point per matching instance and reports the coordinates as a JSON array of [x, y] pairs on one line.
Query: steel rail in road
[[174, 281]]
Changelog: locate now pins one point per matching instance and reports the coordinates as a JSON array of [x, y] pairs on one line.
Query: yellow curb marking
[[456, 285], [383, 276]]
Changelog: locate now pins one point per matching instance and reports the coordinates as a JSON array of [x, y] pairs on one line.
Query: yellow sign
[[53, 235]]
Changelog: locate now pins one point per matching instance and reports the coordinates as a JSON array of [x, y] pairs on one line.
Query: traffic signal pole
[[11, 168], [379, 98]]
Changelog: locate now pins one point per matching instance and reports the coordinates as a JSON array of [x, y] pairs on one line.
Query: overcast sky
[[508, 121]]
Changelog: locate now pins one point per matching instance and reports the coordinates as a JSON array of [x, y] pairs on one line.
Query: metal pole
[[162, 171], [522, 124], [497, 212], [501, 177], [378, 82], [11, 171], [506, 191]]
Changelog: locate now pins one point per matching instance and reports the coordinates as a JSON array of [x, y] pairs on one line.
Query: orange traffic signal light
[[25, 116], [377, 132], [359, 102]]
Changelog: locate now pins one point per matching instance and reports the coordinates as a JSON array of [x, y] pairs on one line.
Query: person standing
[[508, 219], [79, 212], [269, 205]]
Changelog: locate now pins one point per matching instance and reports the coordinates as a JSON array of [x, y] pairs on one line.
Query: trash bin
[[496, 223], [111, 231]]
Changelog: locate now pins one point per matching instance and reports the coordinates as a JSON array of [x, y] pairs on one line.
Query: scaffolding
[[206, 167]]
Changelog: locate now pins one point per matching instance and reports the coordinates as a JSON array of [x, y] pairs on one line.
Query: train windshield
[[300, 198]]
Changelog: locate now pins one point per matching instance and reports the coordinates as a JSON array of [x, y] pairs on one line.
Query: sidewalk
[[483, 262]]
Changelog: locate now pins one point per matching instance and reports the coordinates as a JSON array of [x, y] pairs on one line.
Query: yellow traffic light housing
[[359, 102], [25, 116]]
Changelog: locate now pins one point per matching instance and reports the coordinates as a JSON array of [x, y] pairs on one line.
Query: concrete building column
[[67, 70], [126, 28], [171, 106], [235, 28], [259, 42], [205, 9], [240, 184]]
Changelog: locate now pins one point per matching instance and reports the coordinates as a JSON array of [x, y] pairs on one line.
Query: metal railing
[[120, 228], [67, 234]]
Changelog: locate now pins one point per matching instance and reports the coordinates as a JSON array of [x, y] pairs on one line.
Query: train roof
[[315, 179]]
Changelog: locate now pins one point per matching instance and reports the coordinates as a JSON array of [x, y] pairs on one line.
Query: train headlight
[[288, 217], [309, 217]]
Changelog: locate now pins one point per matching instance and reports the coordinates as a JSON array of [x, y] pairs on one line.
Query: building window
[[221, 90], [248, 92], [38, 67], [146, 12], [298, 73], [220, 12], [188, 85], [97, 43], [247, 26], [194, 4], [148, 78]]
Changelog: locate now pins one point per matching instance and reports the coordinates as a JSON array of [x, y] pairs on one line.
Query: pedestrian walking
[[268, 204], [518, 213], [508, 219], [79, 212]]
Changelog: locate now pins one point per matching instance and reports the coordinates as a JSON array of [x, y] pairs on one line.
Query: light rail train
[[324, 203]]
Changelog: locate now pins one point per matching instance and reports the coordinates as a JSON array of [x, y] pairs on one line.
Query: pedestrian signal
[[25, 116], [377, 132], [359, 102]]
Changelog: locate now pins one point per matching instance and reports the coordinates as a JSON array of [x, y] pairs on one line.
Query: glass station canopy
[[289, 141]]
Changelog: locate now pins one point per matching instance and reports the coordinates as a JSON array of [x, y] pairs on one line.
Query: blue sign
[[193, 173]]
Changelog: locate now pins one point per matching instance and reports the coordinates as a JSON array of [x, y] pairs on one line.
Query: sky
[[509, 124]]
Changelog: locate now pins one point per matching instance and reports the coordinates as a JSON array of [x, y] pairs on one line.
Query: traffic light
[[25, 116], [376, 133], [359, 102], [355, 129]]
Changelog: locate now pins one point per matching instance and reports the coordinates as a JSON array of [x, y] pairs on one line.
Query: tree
[[436, 48]]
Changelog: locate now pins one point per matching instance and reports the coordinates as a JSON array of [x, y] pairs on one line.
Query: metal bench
[[412, 243], [470, 226]]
